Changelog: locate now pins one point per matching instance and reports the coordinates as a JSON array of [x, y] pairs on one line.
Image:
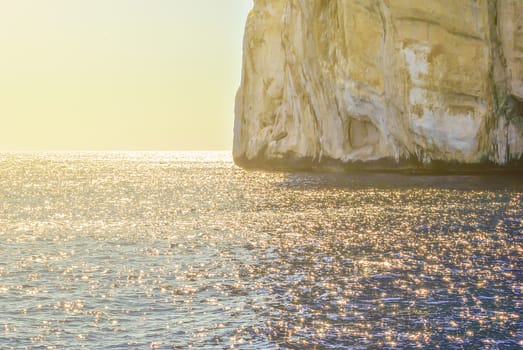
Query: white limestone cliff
[[365, 80]]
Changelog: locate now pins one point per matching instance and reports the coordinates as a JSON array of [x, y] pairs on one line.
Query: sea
[[180, 250]]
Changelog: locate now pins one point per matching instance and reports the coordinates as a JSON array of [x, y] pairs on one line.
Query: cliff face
[[363, 80]]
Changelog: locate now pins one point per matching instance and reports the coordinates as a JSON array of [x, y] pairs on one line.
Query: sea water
[[180, 250]]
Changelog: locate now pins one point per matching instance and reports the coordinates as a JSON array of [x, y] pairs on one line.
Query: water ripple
[[178, 250]]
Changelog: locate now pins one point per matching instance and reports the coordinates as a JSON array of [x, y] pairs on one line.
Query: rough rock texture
[[425, 81]]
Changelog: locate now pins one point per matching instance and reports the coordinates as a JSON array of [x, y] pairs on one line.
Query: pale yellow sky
[[119, 74]]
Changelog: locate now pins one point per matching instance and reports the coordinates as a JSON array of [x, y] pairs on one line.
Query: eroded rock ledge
[[381, 83]]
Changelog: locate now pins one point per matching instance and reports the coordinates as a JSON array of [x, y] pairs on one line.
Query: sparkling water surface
[[180, 250]]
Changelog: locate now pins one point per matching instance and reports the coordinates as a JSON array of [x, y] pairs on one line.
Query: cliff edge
[[355, 83]]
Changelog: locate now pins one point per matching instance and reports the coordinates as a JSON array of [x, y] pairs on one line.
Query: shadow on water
[[307, 181]]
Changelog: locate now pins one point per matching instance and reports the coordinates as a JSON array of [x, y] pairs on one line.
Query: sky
[[119, 74]]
